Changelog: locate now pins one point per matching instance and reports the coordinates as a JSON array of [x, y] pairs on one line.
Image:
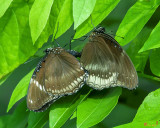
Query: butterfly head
[[57, 50], [96, 32], [99, 30]]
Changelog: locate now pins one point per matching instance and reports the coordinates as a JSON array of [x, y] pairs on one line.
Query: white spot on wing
[[40, 87], [101, 83]]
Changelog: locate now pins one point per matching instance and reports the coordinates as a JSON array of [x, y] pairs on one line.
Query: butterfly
[[59, 73], [107, 63]]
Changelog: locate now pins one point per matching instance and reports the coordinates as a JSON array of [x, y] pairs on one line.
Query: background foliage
[[26, 27]]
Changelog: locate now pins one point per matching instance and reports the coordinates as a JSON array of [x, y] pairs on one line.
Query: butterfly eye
[[107, 63], [59, 73]]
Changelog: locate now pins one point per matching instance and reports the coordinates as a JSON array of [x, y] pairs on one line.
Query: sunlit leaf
[[8, 49], [148, 113], [64, 16], [135, 19], [100, 12], [38, 17], [153, 40], [20, 90], [82, 9], [4, 4], [97, 107], [149, 109]]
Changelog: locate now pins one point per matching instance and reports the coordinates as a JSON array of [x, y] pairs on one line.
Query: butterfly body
[[58, 73], [107, 63]]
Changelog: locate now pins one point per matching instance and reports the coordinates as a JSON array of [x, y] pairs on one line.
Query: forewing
[[63, 74], [37, 98], [107, 64]]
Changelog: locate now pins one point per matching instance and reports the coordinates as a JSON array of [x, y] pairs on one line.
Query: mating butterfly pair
[[60, 73]]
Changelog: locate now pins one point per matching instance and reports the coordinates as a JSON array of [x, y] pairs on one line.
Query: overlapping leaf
[[38, 17], [20, 91], [100, 12], [64, 108], [139, 59], [82, 10], [135, 19], [97, 107], [148, 112], [4, 4], [19, 118], [63, 11], [38, 120], [153, 40]]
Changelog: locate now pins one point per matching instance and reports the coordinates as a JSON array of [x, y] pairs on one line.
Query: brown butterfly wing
[[107, 63], [37, 98], [63, 73]]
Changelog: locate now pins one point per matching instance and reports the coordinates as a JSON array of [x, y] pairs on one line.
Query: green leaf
[[148, 112], [97, 107], [3, 79], [4, 4], [149, 109], [153, 40], [143, 124], [20, 116], [63, 16], [149, 76], [8, 26], [4, 121], [74, 115], [38, 17], [100, 11], [155, 61], [20, 90], [135, 19], [38, 120], [65, 107], [16, 44], [82, 9]]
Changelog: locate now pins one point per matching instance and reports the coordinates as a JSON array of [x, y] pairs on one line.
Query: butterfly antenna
[[55, 35], [92, 22], [116, 35], [70, 41], [31, 59]]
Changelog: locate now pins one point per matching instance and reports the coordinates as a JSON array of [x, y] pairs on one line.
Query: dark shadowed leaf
[[3, 79], [62, 109], [139, 59], [19, 118], [4, 121], [38, 119], [155, 61]]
